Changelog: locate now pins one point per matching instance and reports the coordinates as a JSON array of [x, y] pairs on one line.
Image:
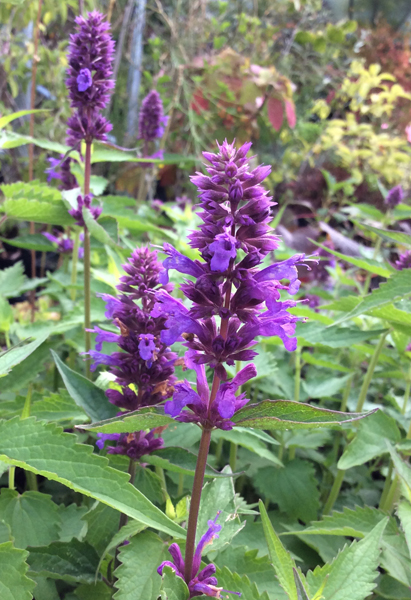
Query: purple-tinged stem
[[195, 502], [87, 266]]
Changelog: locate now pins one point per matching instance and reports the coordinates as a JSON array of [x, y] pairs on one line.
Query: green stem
[[297, 386], [387, 486], [335, 490], [31, 478], [233, 456], [180, 488], [7, 336], [195, 502], [219, 450], [12, 472], [124, 518], [160, 473], [74, 262], [87, 266], [370, 372], [369, 274]]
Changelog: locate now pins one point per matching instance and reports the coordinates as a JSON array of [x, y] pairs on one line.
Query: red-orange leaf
[[275, 112], [290, 112]]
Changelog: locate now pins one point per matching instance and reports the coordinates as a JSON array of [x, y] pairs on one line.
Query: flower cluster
[[64, 244], [404, 261], [202, 582], [233, 299], [394, 197], [90, 59], [84, 202], [60, 169], [144, 367]]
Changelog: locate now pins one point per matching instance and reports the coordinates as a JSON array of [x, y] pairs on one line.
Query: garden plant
[[205, 300]]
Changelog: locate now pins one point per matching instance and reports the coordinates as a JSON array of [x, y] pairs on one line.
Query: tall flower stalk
[[89, 82], [233, 300]]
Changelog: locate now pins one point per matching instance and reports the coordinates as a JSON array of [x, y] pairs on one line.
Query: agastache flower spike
[[60, 169], [201, 582], [144, 367], [394, 197], [91, 51], [151, 120], [64, 244], [233, 300], [404, 261]]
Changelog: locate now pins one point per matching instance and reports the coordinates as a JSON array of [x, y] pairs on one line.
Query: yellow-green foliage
[[358, 142]]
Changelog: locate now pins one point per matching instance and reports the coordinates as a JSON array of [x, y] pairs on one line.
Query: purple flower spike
[[60, 169], [84, 202], [144, 365], [64, 244], [394, 197], [151, 121], [202, 582], [232, 299], [90, 58]]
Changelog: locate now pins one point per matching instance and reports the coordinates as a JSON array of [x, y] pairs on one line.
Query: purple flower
[[395, 196], [90, 59], [202, 582], [404, 261], [233, 300], [60, 169], [144, 365], [84, 202], [151, 121], [64, 244]]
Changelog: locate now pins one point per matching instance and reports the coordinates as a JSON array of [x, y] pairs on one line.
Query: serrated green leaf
[[137, 577], [247, 439], [102, 523], [366, 264], [173, 587], [327, 364], [287, 414], [281, 560], [21, 113], [219, 495], [25, 371], [23, 209], [72, 561], [293, 488], [94, 591], [352, 574], [393, 236], [57, 407], [72, 524], [32, 190], [85, 393], [11, 139], [14, 583], [369, 441], [301, 591], [257, 568], [18, 354], [396, 288], [138, 420], [402, 469], [97, 231], [44, 449], [334, 336], [32, 517], [11, 279], [34, 241], [390, 589], [177, 460], [128, 531]]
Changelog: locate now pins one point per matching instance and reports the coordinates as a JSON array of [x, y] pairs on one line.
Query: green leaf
[[107, 154], [287, 414], [177, 460], [85, 393], [281, 560], [57, 407], [21, 113], [44, 449], [18, 354], [392, 236], [26, 370], [72, 561], [137, 577], [370, 440], [97, 231], [172, 586], [404, 514], [293, 488], [11, 279], [14, 583], [93, 591], [32, 190], [351, 575], [23, 209], [396, 288], [72, 522], [257, 568], [128, 531], [102, 524], [301, 591], [32, 517], [144, 418], [248, 439], [391, 589], [34, 241], [366, 264], [334, 336], [219, 495], [402, 469], [11, 139]]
